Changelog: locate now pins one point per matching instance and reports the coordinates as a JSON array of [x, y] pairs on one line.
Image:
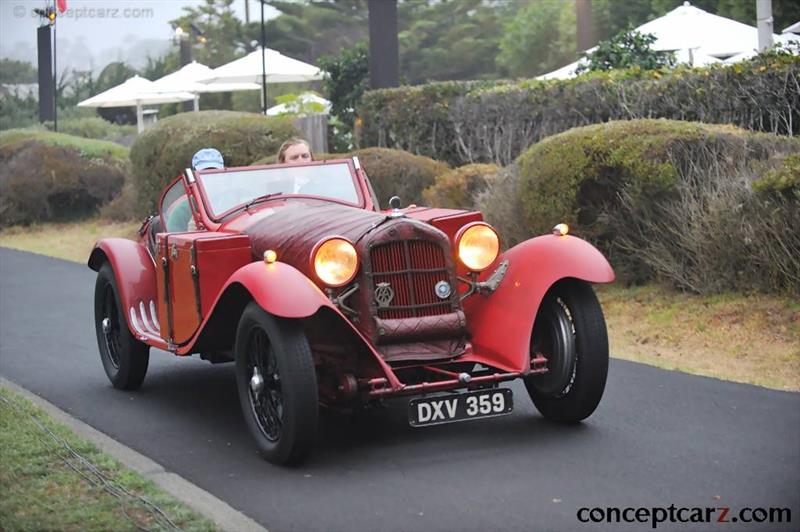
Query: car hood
[[293, 229]]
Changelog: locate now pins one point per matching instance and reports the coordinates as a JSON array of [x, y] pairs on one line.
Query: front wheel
[[124, 358], [570, 332], [277, 385]]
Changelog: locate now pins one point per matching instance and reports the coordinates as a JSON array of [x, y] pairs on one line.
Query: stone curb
[[198, 499]]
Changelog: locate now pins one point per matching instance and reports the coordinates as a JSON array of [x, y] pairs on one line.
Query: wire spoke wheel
[[111, 326], [124, 357], [277, 384], [266, 396]]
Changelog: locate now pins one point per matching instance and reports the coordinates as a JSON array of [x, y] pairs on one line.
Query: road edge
[[193, 496]]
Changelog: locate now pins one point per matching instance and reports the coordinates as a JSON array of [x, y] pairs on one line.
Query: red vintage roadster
[[322, 298]]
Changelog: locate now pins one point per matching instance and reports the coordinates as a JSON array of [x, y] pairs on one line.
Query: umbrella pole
[[196, 102], [139, 116], [263, 62]]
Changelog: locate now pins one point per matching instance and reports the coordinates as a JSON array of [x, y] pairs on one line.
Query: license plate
[[450, 408]]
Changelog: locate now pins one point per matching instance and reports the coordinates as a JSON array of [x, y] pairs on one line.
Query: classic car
[[321, 298]]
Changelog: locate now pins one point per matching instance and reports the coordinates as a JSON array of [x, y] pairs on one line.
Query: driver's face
[[297, 154]]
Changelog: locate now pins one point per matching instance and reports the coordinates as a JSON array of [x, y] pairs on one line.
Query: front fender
[[280, 289], [283, 291], [134, 271], [501, 323]]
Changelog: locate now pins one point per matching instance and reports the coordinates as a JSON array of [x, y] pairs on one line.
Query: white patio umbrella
[[134, 92], [280, 69], [696, 36], [294, 107], [250, 69], [187, 80]]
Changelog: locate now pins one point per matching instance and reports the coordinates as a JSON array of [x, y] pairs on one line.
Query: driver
[[180, 217]]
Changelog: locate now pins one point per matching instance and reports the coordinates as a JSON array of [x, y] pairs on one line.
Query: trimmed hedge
[[413, 118], [667, 199], [96, 128], [163, 151], [90, 148], [55, 177], [458, 188], [480, 122], [577, 176], [398, 173]]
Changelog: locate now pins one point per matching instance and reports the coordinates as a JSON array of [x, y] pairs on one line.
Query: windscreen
[[230, 188]]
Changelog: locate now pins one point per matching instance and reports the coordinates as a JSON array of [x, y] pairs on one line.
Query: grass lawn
[[70, 241], [52, 480], [744, 338]]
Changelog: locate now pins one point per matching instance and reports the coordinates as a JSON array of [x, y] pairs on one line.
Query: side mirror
[[394, 202]]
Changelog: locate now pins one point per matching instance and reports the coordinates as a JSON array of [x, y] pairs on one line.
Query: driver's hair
[[292, 142]]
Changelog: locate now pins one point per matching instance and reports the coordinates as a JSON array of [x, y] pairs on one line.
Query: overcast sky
[[92, 33]]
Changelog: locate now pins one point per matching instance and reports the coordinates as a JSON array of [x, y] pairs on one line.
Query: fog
[[93, 33]]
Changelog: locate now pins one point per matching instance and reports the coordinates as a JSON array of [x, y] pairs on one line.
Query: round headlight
[[335, 261], [478, 246]]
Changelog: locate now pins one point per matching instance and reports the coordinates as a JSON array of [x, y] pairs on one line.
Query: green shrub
[[458, 188], [94, 128], [43, 181], [163, 151], [501, 206], [611, 180], [783, 181], [465, 122], [269, 159], [398, 173], [272, 159], [89, 148], [415, 119]]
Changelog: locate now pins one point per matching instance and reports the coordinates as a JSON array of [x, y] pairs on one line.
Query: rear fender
[[134, 271], [501, 323]]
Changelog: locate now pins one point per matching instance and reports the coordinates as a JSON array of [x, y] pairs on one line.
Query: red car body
[[185, 292]]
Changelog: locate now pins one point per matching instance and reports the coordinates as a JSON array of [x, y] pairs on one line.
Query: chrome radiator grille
[[411, 268]]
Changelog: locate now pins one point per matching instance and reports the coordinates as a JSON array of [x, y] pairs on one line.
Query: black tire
[[124, 358], [570, 332], [282, 409]]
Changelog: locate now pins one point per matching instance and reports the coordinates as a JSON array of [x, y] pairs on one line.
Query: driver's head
[[207, 158], [295, 151]]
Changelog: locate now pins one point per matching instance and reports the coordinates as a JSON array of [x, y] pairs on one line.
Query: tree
[[217, 33], [308, 30], [347, 79], [451, 40], [627, 49], [540, 38], [12, 72]]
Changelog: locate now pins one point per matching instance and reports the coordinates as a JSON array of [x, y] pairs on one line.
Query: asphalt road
[[658, 437]]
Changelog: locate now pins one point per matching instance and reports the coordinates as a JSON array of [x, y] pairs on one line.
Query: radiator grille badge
[[443, 289], [383, 295]]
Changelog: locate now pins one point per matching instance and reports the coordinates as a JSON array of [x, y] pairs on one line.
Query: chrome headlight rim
[[313, 261], [458, 240]]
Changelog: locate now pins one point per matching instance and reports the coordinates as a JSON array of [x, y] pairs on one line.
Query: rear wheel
[[277, 385], [570, 332], [124, 358]]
